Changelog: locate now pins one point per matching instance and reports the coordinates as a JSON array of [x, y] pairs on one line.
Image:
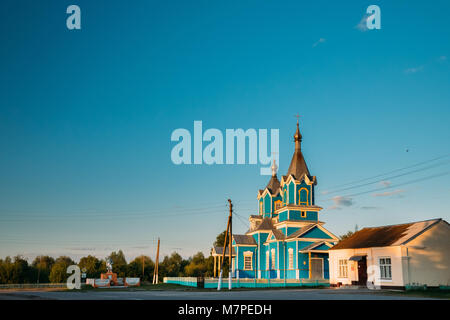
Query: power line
[[391, 177], [389, 172], [395, 186]]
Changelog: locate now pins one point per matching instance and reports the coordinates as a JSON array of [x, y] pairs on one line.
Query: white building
[[416, 253]]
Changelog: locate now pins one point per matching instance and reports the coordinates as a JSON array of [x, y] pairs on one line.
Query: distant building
[[416, 253], [286, 240]]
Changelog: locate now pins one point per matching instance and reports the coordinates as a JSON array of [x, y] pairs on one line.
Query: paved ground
[[291, 294]]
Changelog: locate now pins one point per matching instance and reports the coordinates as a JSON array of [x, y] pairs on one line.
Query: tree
[[347, 235], [59, 274], [5, 270], [135, 268], [42, 266], [119, 263], [172, 266], [220, 239], [197, 266], [92, 266]]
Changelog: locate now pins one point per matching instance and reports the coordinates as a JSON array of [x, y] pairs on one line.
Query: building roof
[[244, 239], [279, 235], [298, 166], [313, 245], [273, 185], [302, 230], [384, 236], [219, 251], [266, 224]]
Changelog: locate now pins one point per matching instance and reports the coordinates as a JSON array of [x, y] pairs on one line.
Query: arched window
[[261, 207], [303, 197], [277, 204], [285, 197]]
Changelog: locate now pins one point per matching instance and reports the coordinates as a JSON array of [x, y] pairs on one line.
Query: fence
[[246, 283], [33, 285]]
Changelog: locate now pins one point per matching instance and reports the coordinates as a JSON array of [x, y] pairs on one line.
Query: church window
[[291, 258], [343, 271], [267, 260], [248, 261], [261, 207], [303, 197], [303, 214], [277, 204], [273, 260], [385, 268]]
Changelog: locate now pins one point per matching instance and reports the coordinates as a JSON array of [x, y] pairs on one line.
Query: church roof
[[266, 224], [384, 236], [313, 245], [279, 235], [219, 251], [244, 239], [273, 185], [298, 166], [302, 230]]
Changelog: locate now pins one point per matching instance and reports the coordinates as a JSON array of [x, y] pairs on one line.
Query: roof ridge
[[401, 224]]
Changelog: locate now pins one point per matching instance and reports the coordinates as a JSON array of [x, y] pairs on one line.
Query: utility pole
[[225, 244], [231, 244], [155, 271], [142, 267]]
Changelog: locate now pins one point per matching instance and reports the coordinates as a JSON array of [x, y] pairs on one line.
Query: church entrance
[[316, 268]]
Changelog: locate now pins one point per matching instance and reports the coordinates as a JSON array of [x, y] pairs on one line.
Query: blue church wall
[[283, 216], [240, 261], [304, 195], [316, 233], [291, 230], [296, 215], [303, 267]]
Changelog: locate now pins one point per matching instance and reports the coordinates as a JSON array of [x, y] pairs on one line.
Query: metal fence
[[246, 283]]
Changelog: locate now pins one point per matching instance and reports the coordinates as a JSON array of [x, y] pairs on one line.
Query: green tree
[[119, 263], [92, 266], [135, 268], [6, 267], [197, 267], [42, 266], [21, 271], [59, 274], [171, 266], [347, 235], [220, 240]]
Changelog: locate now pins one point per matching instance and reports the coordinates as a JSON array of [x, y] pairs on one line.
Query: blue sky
[[86, 116]]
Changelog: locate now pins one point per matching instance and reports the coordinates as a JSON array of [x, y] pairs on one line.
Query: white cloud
[[388, 193], [321, 40], [413, 70], [370, 208], [362, 25], [385, 183], [340, 202]]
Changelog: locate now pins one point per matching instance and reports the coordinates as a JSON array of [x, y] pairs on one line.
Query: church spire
[[298, 138], [298, 165], [274, 169]]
